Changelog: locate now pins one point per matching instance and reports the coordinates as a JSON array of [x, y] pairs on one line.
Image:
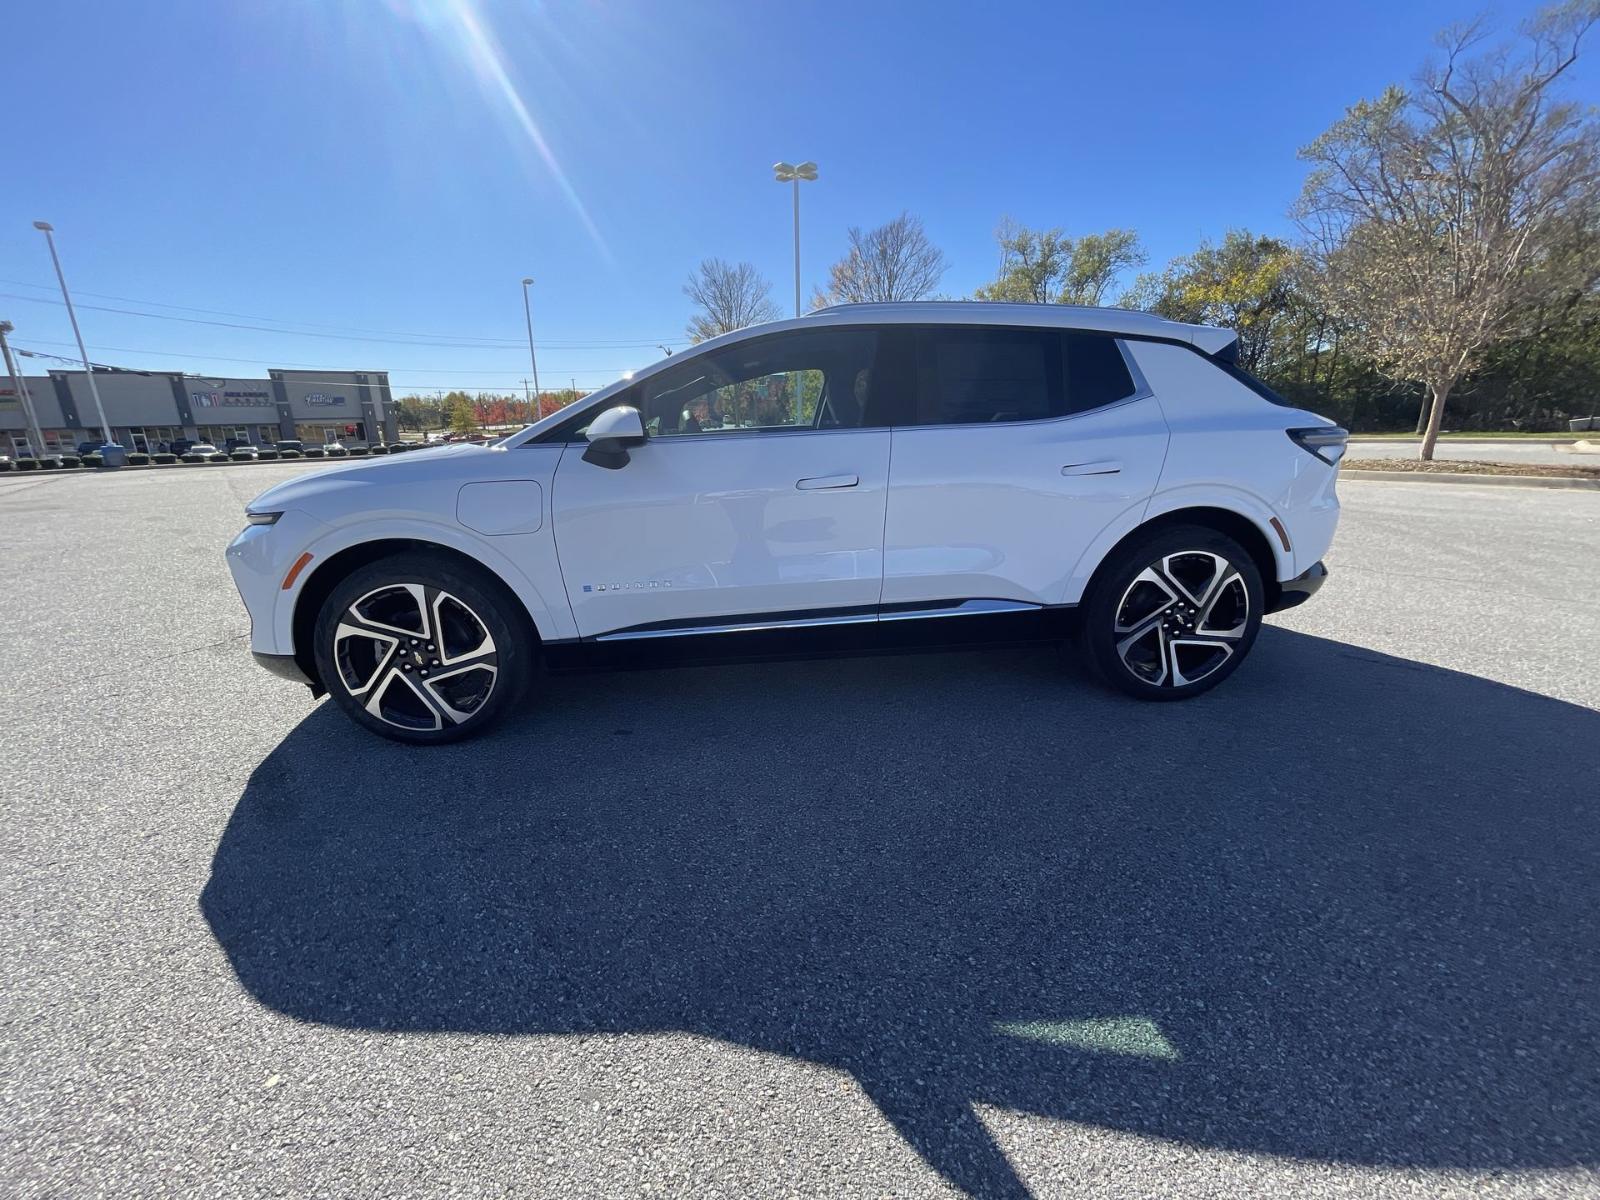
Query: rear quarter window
[[1096, 372]]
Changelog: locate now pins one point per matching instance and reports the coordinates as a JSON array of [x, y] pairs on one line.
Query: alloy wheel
[[1181, 618], [415, 657]]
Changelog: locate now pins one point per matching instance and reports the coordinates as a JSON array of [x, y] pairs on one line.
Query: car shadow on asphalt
[[1341, 909]]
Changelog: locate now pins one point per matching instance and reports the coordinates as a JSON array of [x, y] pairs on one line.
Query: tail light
[[1327, 442]]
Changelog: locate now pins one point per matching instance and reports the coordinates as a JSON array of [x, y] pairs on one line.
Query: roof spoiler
[[1228, 354]]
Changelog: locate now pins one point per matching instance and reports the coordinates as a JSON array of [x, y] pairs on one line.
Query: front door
[[758, 499]]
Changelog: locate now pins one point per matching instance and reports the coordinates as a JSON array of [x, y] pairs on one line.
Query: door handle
[[822, 482], [1105, 466]]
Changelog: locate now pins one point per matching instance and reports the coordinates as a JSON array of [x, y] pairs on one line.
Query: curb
[[64, 472], [1534, 481], [1554, 439]]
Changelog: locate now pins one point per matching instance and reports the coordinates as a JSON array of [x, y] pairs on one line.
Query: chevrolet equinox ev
[[878, 472]]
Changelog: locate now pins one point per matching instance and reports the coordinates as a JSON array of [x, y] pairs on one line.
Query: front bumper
[[284, 666], [259, 560], [1299, 589]]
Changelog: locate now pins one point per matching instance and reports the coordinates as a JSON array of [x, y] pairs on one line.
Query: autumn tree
[[1045, 266], [463, 415], [1447, 215], [895, 261], [729, 296]]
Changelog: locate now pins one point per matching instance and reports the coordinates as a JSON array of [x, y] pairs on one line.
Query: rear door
[[1025, 444]]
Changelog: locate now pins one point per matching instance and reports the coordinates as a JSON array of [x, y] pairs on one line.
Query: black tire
[[1185, 627], [467, 604]]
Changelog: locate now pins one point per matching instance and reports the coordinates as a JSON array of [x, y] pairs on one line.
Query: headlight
[[262, 518]]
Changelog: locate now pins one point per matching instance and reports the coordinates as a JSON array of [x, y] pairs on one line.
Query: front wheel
[[419, 649], [1173, 614]]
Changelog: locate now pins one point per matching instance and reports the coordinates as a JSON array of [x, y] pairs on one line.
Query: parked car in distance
[[289, 444], [243, 452], [875, 472], [88, 447], [199, 452]]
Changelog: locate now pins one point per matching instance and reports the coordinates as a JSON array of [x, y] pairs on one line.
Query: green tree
[[463, 415], [1032, 264], [1248, 284], [1045, 266]]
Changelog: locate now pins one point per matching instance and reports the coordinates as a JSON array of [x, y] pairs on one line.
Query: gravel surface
[[905, 926]]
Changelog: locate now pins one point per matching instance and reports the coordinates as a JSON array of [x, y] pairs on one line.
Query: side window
[[975, 375], [1097, 374], [810, 379]]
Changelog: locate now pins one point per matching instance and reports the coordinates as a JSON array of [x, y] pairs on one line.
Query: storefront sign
[[226, 399], [323, 398]]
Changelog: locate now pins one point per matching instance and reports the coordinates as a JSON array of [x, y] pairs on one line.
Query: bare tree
[[895, 261], [730, 296], [1444, 216]]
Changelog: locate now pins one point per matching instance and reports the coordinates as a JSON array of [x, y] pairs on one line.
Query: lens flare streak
[[488, 65]]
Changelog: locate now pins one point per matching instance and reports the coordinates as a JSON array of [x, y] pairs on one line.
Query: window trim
[[561, 434]]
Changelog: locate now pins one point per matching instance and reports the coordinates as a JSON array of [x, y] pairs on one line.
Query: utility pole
[[35, 436], [527, 313], [111, 453]]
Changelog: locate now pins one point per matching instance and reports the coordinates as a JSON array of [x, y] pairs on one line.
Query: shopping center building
[[145, 409]]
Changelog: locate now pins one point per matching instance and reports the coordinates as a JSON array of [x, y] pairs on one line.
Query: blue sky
[[394, 167]]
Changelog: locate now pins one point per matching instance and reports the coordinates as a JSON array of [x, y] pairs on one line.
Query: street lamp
[[111, 453], [527, 312], [18, 382], [788, 173]]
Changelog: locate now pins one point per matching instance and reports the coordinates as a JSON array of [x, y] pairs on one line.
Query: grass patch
[[1453, 467], [1489, 435]]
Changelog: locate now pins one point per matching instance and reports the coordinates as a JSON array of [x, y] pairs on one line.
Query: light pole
[[111, 453], [35, 435], [527, 312], [788, 173]]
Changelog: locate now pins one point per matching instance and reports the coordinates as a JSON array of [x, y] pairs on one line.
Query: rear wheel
[[419, 649], [1173, 614]]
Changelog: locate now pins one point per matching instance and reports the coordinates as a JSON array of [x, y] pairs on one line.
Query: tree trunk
[[1423, 412], [1440, 392]]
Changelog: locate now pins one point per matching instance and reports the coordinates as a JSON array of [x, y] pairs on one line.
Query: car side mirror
[[611, 434]]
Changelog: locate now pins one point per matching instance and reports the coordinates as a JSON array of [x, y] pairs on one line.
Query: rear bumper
[[1299, 589]]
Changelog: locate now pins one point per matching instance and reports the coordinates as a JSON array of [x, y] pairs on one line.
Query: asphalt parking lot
[[920, 925]]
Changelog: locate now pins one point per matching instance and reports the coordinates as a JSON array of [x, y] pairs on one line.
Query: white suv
[[868, 472]]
